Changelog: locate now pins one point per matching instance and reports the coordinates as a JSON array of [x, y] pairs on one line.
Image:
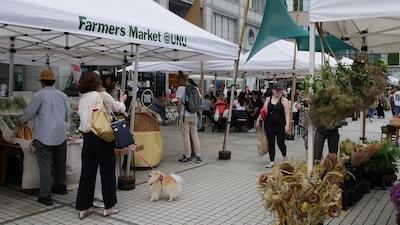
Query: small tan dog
[[164, 185]]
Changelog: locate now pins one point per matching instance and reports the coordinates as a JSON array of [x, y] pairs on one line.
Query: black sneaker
[[198, 159], [61, 190], [184, 159], [46, 200]]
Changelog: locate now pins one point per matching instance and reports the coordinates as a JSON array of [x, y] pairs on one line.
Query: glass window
[[224, 27]]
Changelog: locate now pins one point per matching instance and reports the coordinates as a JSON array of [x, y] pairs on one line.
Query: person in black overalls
[[277, 122]]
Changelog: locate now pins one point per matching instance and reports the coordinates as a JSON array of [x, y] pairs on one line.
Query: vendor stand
[[147, 132], [16, 142]]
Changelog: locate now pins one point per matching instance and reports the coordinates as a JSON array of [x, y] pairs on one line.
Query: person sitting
[[219, 108], [158, 105], [207, 107], [240, 105]]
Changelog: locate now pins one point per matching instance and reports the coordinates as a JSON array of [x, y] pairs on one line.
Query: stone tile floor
[[214, 192]]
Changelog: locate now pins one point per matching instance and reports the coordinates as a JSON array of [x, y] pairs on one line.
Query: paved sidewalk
[[214, 192]]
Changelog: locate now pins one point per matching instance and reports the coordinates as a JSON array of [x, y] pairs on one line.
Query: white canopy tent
[[212, 77], [276, 58], [80, 31], [104, 29], [371, 26]]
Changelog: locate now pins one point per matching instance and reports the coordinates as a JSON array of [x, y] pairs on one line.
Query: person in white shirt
[[96, 152], [396, 98], [3, 88], [187, 124]]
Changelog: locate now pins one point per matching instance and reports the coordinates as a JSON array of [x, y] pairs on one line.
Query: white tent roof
[[375, 24], [81, 29], [212, 77], [275, 57], [323, 11]]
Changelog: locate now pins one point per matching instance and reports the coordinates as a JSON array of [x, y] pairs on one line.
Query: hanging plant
[[340, 91]]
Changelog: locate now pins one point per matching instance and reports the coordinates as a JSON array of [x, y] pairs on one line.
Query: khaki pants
[[188, 127]]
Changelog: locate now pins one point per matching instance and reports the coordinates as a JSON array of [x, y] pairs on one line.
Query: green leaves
[[339, 92]]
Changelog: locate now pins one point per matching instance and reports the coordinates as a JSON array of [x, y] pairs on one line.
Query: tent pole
[[292, 92], [228, 124], [202, 89], [310, 152], [292, 130], [133, 103], [123, 80], [11, 68]]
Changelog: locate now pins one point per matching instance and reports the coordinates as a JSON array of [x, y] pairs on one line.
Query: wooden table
[[124, 151], [395, 122]]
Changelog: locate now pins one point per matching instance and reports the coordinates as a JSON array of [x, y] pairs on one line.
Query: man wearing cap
[[49, 109]]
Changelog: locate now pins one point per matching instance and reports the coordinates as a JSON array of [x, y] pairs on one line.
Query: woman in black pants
[[276, 123]]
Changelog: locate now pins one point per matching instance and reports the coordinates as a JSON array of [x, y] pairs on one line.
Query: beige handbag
[[101, 123], [262, 142]]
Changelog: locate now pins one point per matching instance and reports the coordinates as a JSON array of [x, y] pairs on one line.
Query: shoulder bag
[[123, 135], [101, 122]]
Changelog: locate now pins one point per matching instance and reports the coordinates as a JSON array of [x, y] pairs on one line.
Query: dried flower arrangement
[[339, 92], [299, 197]]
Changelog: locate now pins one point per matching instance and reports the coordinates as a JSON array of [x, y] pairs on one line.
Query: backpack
[[192, 99]]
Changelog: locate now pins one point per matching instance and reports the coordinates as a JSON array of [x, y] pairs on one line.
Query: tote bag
[[101, 123], [262, 142]]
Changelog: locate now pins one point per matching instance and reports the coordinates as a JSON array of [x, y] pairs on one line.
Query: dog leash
[[140, 156], [144, 160]]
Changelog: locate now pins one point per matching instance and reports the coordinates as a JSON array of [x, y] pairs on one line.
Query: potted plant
[[384, 163]]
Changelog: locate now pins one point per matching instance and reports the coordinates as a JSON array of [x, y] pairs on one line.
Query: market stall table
[[396, 123], [29, 169]]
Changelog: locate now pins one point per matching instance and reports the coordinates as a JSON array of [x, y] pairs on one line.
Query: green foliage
[[380, 63], [385, 158], [339, 92]]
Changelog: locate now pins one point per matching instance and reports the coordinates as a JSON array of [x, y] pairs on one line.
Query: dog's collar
[[161, 178]]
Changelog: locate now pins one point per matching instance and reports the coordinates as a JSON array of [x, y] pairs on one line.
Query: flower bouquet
[[357, 153], [395, 197], [296, 196]]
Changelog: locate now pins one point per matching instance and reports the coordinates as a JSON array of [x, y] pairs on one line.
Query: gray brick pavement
[[214, 192]]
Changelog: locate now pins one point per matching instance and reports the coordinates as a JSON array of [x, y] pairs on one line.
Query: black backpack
[[192, 101]]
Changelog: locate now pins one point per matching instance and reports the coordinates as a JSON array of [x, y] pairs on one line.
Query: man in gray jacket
[[49, 109]]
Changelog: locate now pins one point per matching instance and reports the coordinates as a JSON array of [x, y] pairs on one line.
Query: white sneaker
[[253, 130], [370, 119], [98, 203]]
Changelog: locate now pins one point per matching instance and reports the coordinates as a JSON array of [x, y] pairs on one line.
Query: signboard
[[146, 97]]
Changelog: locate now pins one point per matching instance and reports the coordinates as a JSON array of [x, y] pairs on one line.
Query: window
[[393, 59], [250, 37], [224, 27]]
